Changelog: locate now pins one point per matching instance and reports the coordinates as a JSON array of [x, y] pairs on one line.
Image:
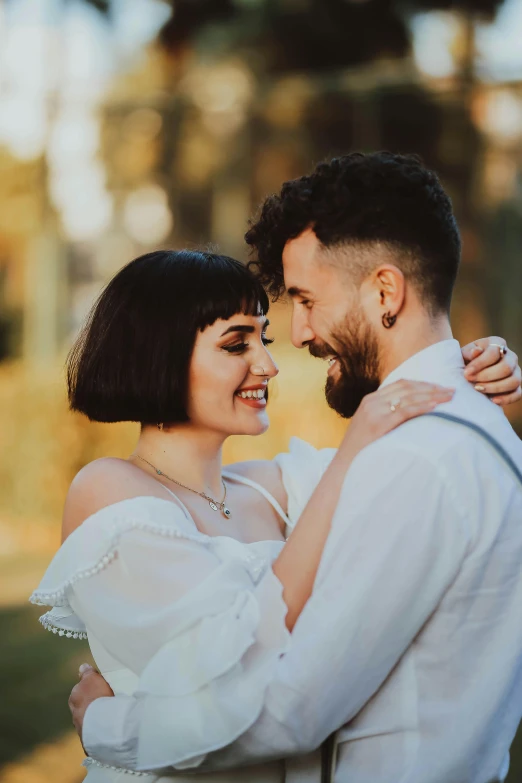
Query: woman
[[166, 556]]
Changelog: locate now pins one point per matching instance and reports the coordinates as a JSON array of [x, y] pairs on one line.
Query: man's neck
[[410, 336]]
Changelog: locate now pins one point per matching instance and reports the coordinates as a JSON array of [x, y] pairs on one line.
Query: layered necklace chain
[[215, 505]]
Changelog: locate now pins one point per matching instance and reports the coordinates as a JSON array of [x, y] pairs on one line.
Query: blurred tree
[[302, 34], [306, 34]]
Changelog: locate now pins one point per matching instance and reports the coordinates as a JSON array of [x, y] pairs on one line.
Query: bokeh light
[[147, 216]]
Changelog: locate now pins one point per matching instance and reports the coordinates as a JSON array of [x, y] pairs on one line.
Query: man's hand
[[492, 373], [92, 686]]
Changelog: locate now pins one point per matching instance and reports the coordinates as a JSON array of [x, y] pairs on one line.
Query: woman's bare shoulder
[[264, 472], [101, 483]]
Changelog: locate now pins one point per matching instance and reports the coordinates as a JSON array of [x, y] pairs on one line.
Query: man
[[412, 640]]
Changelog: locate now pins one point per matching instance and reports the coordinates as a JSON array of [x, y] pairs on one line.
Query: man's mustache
[[321, 351]]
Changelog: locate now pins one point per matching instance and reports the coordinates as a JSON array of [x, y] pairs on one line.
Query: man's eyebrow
[[244, 328], [294, 291]]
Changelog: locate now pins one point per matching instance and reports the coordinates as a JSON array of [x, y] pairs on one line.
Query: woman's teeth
[[252, 394]]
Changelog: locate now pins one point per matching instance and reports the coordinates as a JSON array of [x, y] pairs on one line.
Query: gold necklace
[[215, 505]]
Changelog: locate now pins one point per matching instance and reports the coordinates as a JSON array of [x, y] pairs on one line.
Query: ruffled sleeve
[[302, 468], [199, 620]]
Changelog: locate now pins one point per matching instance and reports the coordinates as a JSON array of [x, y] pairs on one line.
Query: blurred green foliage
[[37, 673]]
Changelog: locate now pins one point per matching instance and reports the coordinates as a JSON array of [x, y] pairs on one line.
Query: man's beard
[[358, 355]]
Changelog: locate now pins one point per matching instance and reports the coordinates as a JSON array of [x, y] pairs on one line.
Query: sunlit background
[[136, 124]]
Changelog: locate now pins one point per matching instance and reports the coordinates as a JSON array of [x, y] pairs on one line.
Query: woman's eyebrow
[[239, 328], [244, 329]]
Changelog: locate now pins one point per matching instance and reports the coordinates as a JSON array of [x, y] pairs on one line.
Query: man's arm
[[397, 542]]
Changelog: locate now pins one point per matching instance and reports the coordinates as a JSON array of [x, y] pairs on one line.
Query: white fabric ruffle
[[200, 621], [93, 545], [302, 468], [62, 621], [206, 688]]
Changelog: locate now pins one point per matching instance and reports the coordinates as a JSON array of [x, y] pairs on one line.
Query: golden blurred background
[[127, 125]]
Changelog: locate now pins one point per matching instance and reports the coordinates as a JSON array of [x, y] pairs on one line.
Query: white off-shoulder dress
[[169, 611]]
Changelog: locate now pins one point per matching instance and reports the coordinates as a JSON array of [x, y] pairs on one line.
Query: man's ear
[[390, 284]]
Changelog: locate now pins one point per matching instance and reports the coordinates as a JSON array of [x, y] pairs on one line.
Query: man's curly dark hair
[[359, 200]]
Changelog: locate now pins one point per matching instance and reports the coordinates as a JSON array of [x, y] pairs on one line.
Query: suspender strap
[[502, 453], [328, 758]]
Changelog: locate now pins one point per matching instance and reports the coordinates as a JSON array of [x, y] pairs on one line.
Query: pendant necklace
[[215, 505]]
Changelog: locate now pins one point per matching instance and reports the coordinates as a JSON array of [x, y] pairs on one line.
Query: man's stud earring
[[388, 320]]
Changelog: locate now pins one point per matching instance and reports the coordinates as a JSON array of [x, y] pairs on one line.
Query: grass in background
[[37, 672]]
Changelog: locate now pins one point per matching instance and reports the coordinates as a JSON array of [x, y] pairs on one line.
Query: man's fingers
[[74, 698]]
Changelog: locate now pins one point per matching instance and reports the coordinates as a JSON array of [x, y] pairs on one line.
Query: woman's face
[[229, 372]]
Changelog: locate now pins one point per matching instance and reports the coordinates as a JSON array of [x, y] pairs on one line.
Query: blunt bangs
[[229, 289], [131, 360]]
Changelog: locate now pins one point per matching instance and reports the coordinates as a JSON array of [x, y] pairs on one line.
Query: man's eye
[[306, 303], [238, 348]]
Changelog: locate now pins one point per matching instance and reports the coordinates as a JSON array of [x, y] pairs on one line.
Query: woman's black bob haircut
[[131, 359]]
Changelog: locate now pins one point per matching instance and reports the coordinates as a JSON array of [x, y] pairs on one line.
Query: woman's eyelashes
[[241, 347]]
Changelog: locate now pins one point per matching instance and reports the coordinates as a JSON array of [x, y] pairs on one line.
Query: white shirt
[[412, 639]]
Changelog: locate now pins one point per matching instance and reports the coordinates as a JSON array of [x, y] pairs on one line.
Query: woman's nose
[[268, 369]]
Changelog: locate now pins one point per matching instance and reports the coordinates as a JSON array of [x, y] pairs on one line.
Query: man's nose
[[302, 333]]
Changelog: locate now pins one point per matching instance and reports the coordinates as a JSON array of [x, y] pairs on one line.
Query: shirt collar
[[439, 363]]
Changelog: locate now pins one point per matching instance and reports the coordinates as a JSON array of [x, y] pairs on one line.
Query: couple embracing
[[349, 615]]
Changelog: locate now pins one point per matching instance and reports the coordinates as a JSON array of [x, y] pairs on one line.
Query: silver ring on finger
[[394, 405], [502, 348]]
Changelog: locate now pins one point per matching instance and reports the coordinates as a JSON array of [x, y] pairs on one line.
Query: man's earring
[[388, 320], [160, 427]]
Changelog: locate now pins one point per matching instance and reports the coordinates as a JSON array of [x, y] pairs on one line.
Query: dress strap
[[180, 503], [266, 494]]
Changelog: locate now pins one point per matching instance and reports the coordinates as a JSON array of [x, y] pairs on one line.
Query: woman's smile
[[253, 396]]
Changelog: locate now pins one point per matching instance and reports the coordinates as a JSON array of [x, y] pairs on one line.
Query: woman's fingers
[[474, 349], [507, 386], [508, 399], [403, 386], [422, 401], [408, 390], [417, 408], [406, 400], [387, 408], [499, 372], [491, 365]]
